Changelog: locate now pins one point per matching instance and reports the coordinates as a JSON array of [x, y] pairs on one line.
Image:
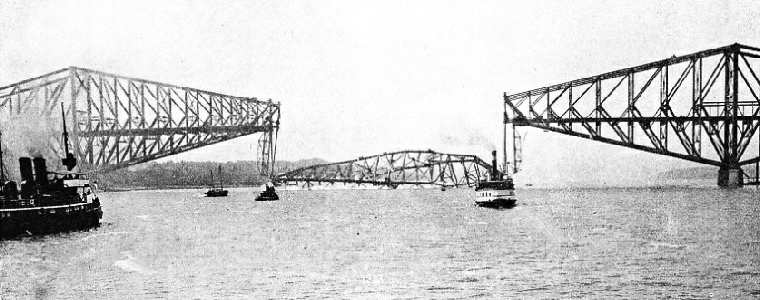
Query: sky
[[358, 78]]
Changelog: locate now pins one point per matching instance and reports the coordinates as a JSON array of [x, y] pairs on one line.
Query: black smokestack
[[25, 165], [40, 171], [494, 168]]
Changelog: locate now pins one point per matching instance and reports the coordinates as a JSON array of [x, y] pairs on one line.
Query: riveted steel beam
[[118, 121], [411, 167], [713, 94]]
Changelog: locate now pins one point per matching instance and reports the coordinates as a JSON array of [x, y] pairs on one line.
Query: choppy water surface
[[368, 244]]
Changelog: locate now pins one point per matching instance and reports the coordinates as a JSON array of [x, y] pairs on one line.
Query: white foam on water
[[666, 245], [104, 234], [130, 264]]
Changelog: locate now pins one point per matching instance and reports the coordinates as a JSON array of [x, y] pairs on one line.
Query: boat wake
[[104, 234], [666, 245], [130, 264]]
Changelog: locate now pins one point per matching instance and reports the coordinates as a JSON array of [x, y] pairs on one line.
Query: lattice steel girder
[[118, 121], [411, 167], [652, 107], [243, 129]]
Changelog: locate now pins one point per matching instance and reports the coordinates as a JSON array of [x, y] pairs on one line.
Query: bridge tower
[[666, 107]]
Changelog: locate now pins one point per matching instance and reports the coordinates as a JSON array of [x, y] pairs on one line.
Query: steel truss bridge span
[[118, 121], [411, 167], [668, 107]]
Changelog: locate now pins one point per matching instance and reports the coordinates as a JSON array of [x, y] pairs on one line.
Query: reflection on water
[[557, 243]]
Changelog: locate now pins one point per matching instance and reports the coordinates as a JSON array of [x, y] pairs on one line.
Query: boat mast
[[213, 184], [506, 171], [69, 160], [221, 184], [2, 164], [514, 148], [65, 133]]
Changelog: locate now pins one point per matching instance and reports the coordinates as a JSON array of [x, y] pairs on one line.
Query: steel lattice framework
[[411, 167], [118, 121], [665, 107]]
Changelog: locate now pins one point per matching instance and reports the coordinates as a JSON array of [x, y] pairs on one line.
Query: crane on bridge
[[666, 107]]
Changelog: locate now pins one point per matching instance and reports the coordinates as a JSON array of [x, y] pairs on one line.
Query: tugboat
[[497, 192], [268, 194], [46, 202], [216, 191]]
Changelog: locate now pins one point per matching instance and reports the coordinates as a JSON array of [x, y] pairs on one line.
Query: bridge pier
[[730, 177]]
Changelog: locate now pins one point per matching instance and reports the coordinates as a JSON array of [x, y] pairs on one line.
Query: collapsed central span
[[410, 167]]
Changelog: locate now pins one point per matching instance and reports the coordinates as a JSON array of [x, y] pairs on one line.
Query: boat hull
[[495, 194], [267, 198], [49, 219], [497, 203], [216, 193]]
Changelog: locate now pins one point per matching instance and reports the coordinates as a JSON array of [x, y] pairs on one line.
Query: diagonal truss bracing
[[117, 121], [703, 107], [393, 169]]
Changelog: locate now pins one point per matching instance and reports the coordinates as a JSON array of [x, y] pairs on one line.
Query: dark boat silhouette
[[269, 194], [45, 201], [216, 191]]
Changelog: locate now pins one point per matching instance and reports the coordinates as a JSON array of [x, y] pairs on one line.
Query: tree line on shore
[[186, 174]]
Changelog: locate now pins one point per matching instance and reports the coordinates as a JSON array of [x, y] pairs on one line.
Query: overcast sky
[[364, 77]]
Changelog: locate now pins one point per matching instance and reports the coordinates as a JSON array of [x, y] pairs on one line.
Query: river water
[[641, 243]]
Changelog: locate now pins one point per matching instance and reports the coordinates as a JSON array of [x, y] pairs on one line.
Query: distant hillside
[[185, 174], [285, 166], [700, 172]]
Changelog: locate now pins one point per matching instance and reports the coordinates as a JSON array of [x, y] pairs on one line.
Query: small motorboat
[[269, 194], [216, 192]]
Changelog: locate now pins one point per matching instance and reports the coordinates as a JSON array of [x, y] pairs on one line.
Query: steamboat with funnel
[[498, 191], [46, 201]]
